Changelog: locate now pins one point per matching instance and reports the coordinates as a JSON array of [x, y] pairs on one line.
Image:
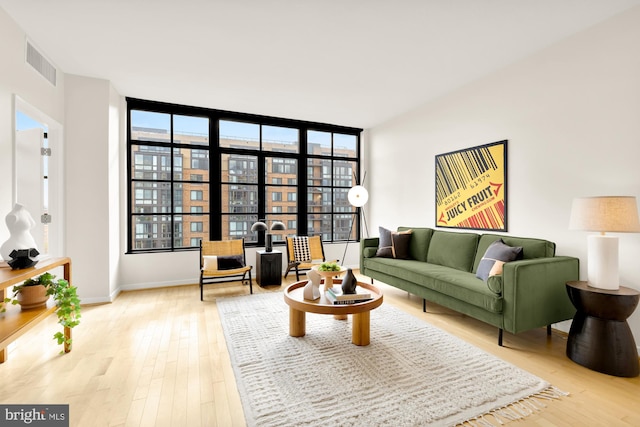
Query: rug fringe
[[515, 411]]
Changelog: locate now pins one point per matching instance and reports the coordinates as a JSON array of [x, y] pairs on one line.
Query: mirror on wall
[[37, 175]]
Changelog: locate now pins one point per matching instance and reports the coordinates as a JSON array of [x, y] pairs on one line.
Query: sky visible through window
[[200, 126]]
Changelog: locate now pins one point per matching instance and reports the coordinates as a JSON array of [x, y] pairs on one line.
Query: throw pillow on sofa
[[385, 248], [400, 242], [394, 244], [494, 258]]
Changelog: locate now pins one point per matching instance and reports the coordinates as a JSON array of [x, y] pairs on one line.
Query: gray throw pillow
[[385, 247], [494, 258]]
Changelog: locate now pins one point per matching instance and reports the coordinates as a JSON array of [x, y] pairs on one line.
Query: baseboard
[[153, 285]]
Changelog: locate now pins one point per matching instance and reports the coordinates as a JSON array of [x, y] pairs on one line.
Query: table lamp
[[617, 214], [261, 226]]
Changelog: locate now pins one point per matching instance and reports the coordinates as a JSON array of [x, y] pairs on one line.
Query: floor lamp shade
[[617, 214], [358, 196]]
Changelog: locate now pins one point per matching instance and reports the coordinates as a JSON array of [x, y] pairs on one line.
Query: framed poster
[[471, 188]]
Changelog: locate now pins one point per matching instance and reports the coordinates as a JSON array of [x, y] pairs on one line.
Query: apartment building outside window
[[199, 174]]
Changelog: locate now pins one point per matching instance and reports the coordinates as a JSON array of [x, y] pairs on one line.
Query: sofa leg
[[549, 330], [500, 337], [424, 305]]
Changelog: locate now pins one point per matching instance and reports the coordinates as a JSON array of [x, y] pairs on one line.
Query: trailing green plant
[[66, 299], [68, 311]]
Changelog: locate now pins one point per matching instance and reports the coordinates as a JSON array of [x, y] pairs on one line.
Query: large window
[[206, 174]]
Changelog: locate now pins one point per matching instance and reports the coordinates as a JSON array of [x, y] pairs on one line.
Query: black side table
[[600, 338], [269, 268]]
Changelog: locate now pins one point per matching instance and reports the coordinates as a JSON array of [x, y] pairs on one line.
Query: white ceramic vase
[[311, 290]]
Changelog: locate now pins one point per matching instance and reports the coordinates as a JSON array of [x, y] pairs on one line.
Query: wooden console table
[[15, 322]]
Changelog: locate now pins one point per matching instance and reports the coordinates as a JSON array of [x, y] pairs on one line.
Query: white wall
[[571, 114], [88, 157], [115, 171], [18, 77]]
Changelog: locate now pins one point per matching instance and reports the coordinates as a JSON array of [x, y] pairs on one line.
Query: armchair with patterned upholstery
[[223, 261], [303, 252]]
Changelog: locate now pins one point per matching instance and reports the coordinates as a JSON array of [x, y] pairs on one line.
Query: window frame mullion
[[262, 154]]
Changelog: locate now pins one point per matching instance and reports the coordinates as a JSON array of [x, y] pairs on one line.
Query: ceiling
[[346, 62]]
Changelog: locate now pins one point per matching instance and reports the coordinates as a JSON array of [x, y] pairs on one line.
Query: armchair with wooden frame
[[223, 261], [300, 260]]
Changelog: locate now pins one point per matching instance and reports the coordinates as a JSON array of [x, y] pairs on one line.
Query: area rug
[[412, 373]]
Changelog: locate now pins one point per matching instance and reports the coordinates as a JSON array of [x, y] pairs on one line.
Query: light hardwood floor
[[158, 358]]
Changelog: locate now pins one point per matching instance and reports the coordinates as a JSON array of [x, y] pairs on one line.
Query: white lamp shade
[[358, 196], [605, 214]]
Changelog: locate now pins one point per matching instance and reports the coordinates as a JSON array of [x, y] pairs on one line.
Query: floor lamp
[[358, 197]]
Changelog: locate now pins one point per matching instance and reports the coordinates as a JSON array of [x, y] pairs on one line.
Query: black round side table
[[600, 338]]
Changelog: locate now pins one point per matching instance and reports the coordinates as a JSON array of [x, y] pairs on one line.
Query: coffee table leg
[[297, 322], [360, 332]]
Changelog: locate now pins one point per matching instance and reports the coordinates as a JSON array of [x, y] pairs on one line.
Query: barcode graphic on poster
[[490, 218], [455, 170]]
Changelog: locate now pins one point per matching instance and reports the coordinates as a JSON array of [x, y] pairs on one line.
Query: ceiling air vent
[[40, 64]]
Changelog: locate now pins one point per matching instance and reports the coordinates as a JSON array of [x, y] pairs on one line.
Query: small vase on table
[[349, 282], [311, 290]]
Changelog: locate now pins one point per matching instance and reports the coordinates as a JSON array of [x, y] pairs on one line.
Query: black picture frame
[[471, 188]]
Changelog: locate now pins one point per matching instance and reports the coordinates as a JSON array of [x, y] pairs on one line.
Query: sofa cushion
[[454, 283], [531, 248], [494, 258], [452, 249], [369, 252], [420, 239]]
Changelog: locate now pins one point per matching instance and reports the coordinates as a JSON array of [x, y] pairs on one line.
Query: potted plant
[[64, 295], [34, 292]]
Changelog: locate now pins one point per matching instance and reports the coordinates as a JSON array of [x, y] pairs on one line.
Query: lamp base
[[602, 262], [268, 246]]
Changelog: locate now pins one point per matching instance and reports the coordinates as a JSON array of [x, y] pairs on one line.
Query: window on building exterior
[[200, 174]]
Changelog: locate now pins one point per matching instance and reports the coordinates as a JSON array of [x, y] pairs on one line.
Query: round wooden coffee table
[[298, 307]]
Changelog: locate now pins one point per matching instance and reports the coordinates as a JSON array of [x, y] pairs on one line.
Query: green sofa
[[530, 293]]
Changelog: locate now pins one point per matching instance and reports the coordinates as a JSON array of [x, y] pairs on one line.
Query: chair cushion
[[301, 250], [216, 262]]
